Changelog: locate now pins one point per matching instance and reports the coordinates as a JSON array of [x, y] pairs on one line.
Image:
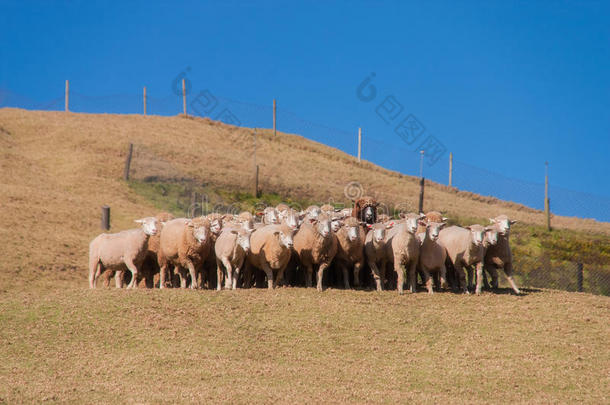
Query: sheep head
[[150, 225], [412, 220], [322, 224], [353, 227], [242, 238], [290, 217], [433, 229], [270, 216], [477, 234], [503, 224], [285, 233], [491, 236], [200, 227]]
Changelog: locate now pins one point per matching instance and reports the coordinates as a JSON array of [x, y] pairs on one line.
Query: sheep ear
[[489, 228], [493, 221], [467, 227], [422, 215], [234, 231], [442, 225], [139, 221], [422, 223], [445, 219], [402, 215], [513, 221], [276, 232]]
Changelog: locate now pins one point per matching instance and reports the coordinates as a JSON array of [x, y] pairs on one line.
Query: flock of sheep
[[239, 250]]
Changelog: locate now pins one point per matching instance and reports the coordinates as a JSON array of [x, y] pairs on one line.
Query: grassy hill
[[62, 342]]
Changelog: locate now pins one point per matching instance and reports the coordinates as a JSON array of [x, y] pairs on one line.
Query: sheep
[[365, 210], [270, 216], [464, 248], [290, 217], [374, 248], [185, 243], [499, 255], [350, 249], [270, 251], [491, 238], [126, 249], [432, 255], [316, 245], [312, 211], [402, 249], [150, 267], [231, 248], [281, 207]]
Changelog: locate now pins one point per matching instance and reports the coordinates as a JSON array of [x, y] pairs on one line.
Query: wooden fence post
[[547, 201], [144, 99], [274, 117], [421, 194], [256, 191], [359, 143], [67, 95], [128, 162], [105, 217], [579, 276], [183, 97], [450, 168]]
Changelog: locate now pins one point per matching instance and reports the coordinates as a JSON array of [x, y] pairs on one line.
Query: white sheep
[[402, 249], [375, 250], [316, 245], [117, 251], [499, 255], [231, 248], [270, 250], [271, 216], [185, 244], [432, 255], [464, 248], [350, 249]]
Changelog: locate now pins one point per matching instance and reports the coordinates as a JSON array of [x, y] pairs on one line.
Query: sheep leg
[[118, 279], [376, 275], [321, 269], [400, 270], [470, 277], [182, 275], [269, 274], [443, 276], [134, 274], [508, 270], [219, 274], [413, 276], [485, 281], [427, 279], [345, 275], [357, 267], [193, 274], [235, 278], [308, 275], [479, 277], [94, 270], [162, 275], [228, 275], [493, 272], [461, 278]]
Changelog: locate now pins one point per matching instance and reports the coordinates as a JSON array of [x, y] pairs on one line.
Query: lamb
[[185, 243], [432, 255], [350, 249], [315, 245], [464, 248], [231, 248], [402, 249], [126, 249], [499, 255], [270, 250], [374, 248]]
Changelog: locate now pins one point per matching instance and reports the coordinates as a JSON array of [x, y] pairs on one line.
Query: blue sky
[[504, 85]]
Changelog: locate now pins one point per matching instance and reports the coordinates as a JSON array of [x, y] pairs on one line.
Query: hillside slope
[[58, 168]]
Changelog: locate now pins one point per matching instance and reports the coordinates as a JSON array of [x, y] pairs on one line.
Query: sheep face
[[433, 229], [335, 225], [322, 224], [503, 224], [285, 236], [412, 221], [491, 235], [291, 218], [150, 225], [379, 232], [313, 211], [215, 227], [477, 234], [200, 229], [352, 233], [271, 216], [368, 214]]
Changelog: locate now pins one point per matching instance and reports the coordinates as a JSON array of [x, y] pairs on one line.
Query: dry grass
[[297, 345], [64, 343]]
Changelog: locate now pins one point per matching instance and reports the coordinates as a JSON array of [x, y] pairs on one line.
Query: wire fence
[[540, 270]]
